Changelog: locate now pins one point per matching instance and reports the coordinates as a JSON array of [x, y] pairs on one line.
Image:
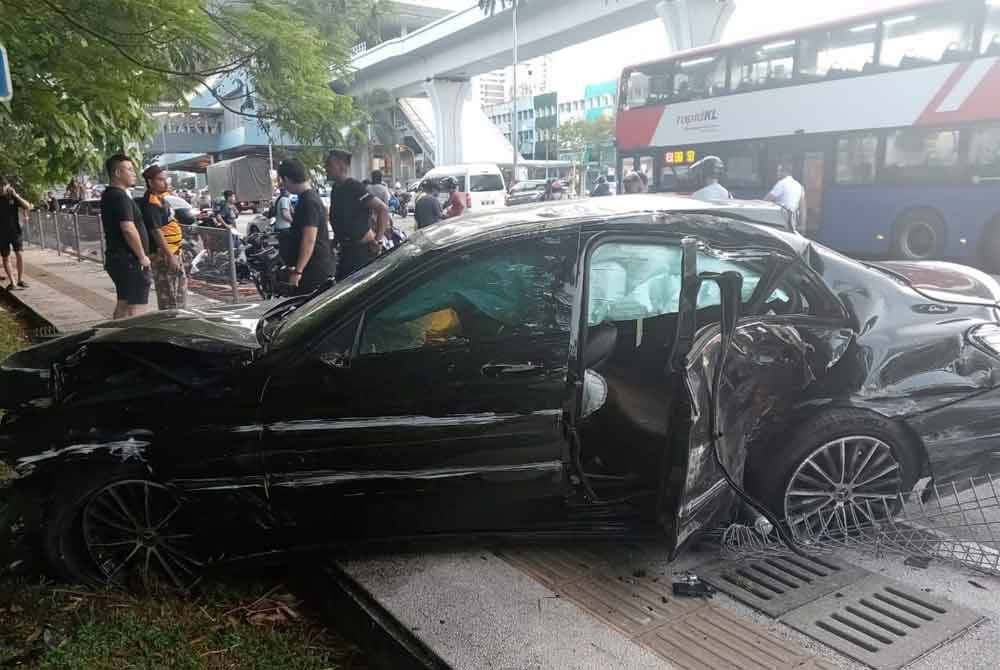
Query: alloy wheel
[[131, 531], [844, 485]]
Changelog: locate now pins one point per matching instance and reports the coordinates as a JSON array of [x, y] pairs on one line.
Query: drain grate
[[778, 584], [882, 623], [552, 565]]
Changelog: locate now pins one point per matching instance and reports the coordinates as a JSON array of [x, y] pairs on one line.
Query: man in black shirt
[[11, 205], [305, 247], [351, 208], [126, 240], [427, 208]]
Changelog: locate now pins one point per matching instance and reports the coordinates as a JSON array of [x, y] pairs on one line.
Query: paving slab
[[573, 605], [71, 294]]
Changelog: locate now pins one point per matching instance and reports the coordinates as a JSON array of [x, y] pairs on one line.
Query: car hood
[[944, 282], [221, 328]]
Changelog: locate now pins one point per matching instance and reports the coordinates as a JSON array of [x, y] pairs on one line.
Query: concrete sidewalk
[[72, 294]]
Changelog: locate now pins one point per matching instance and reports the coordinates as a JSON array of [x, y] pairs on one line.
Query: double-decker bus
[[890, 120]]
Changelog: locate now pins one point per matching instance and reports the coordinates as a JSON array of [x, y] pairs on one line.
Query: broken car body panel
[[301, 426]]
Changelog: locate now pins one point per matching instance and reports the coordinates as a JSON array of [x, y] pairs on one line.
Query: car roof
[[632, 207]]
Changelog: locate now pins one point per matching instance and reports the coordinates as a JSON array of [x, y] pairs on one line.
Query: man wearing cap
[[351, 206], [164, 241]]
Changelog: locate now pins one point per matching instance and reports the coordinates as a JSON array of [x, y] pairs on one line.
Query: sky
[[605, 57]]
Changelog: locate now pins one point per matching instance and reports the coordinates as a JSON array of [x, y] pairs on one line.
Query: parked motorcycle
[[264, 262]]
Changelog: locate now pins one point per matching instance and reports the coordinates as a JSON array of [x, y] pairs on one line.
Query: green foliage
[[579, 136], [85, 71], [490, 6]]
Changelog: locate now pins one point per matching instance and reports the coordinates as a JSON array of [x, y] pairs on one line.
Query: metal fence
[[213, 257]]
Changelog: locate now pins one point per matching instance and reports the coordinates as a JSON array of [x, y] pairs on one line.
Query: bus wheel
[[989, 247], [918, 236]]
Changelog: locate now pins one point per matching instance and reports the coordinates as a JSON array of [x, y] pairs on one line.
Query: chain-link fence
[[213, 258]]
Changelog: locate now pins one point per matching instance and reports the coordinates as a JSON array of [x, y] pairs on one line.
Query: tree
[[85, 71], [583, 136], [490, 6], [586, 134]]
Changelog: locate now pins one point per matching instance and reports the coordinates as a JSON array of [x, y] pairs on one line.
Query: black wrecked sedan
[[587, 368]]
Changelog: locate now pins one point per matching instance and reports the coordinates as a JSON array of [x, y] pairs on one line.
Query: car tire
[[872, 444], [918, 236], [74, 520]]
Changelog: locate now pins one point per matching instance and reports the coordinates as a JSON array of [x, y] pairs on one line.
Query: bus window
[[914, 153], [984, 152], [925, 38], [677, 178], [763, 65], [838, 53], [742, 169], [991, 33], [652, 86], [699, 78], [856, 159]]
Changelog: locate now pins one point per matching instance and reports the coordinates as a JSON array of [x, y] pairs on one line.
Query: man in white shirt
[[709, 170], [790, 194], [283, 211]]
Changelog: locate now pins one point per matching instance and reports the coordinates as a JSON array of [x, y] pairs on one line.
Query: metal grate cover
[[882, 623], [778, 584]]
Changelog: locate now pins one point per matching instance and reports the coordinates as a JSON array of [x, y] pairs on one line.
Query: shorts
[[131, 281], [8, 242]]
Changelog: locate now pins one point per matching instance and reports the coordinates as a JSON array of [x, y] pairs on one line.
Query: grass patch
[[234, 623], [240, 622]]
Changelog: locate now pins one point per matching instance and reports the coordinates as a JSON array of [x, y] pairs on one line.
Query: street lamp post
[[513, 105]]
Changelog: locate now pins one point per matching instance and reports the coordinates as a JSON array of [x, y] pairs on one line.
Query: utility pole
[[513, 105]]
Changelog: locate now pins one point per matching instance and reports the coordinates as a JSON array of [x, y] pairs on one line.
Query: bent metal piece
[[957, 522]]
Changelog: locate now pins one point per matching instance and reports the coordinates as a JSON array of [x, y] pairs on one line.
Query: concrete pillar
[[448, 97], [694, 23]]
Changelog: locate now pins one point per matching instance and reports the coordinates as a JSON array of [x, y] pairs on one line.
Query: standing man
[[305, 249], [11, 205], [164, 241], [377, 188], [709, 171], [126, 240], [351, 205], [456, 204], [51, 203], [283, 210], [427, 208], [228, 209], [790, 194]]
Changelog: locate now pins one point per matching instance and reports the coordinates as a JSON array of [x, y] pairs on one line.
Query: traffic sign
[[6, 89]]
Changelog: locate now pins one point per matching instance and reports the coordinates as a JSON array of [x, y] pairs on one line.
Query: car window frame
[[444, 264], [781, 271]]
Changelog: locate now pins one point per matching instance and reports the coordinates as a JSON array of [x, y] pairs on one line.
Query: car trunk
[[944, 282]]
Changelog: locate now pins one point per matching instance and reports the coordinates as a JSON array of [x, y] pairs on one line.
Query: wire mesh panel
[[958, 522], [91, 237], [216, 265]]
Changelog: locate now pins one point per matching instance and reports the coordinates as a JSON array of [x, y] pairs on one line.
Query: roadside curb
[[348, 607], [44, 328]]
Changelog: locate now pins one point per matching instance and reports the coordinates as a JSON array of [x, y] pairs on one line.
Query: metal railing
[[213, 257]]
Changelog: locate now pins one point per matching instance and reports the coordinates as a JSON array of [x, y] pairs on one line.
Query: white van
[[482, 184]]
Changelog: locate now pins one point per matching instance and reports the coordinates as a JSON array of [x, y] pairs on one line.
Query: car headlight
[[986, 336]]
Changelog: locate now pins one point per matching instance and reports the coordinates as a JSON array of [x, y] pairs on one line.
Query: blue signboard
[[6, 90]]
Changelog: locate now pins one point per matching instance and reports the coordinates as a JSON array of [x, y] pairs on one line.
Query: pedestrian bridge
[[438, 59]]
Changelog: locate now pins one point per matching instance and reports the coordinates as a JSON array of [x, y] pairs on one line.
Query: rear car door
[[439, 409]]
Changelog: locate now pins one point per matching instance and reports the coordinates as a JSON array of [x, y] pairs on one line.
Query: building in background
[[601, 99], [500, 115], [492, 88], [546, 107]]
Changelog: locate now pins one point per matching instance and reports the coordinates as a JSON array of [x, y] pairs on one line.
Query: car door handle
[[494, 370]]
